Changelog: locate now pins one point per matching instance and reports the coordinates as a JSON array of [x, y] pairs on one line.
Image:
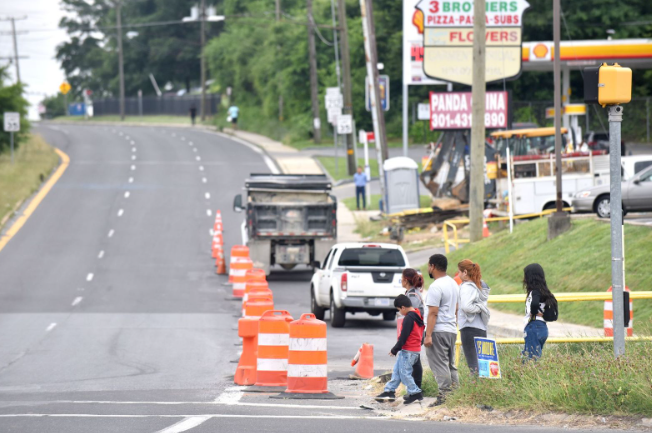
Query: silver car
[[637, 196]]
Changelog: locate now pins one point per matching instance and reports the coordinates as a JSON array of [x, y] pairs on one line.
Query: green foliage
[[55, 106], [11, 99], [573, 378]]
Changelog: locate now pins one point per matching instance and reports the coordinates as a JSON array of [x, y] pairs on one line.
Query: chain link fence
[[155, 105], [636, 118]]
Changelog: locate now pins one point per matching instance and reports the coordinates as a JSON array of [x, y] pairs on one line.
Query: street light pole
[[202, 17], [121, 73], [556, 8]]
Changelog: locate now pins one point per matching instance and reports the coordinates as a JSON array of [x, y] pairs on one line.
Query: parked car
[[636, 191], [357, 277]]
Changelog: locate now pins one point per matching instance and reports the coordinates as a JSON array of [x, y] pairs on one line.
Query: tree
[[11, 99]]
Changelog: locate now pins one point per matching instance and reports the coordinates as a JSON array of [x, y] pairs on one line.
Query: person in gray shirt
[[441, 326]]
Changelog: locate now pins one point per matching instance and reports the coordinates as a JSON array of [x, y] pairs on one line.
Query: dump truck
[[290, 220]]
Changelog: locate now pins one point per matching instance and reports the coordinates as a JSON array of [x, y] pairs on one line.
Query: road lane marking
[[133, 167], [268, 161], [194, 149], [77, 300], [121, 212], [120, 134], [174, 135], [89, 277], [208, 212], [185, 424], [207, 195], [127, 194], [51, 327], [133, 149], [111, 232], [131, 180], [203, 179], [101, 254], [190, 143], [198, 158], [183, 138], [231, 395], [133, 142], [196, 403], [133, 157], [38, 198], [201, 168], [207, 416], [126, 137]]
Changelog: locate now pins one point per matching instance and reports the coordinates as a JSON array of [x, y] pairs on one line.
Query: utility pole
[[15, 40], [346, 90], [374, 96], [121, 72], [336, 45], [476, 188], [202, 38], [314, 91], [278, 10], [557, 101]]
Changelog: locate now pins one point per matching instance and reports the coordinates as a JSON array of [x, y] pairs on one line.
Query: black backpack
[[550, 312]]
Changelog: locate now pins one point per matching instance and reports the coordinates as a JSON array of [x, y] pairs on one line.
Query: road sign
[[448, 39], [12, 122], [64, 88], [344, 124], [333, 99], [333, 113], [383, 84], [423, 111]]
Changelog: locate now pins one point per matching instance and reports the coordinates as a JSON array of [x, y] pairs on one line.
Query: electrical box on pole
[[611, 85]]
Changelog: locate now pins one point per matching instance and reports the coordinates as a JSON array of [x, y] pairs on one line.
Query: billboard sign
[[448, 39], [452, 110], [413, 46]]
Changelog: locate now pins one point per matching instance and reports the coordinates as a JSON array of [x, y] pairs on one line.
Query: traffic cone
[[364, 362], [485, 229], [220, 262], [217, 244]]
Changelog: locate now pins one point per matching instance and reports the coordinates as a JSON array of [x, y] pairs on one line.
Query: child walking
[[407, 351]]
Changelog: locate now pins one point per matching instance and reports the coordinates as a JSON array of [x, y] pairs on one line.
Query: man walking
[[234, 111], [193, 114], [360, 180], [441, 326]]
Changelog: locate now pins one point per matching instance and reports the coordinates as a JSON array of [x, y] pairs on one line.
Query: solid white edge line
[[208, 416], [77, 300], [89, 277], [268, 161], [185, 424], [51, 327]]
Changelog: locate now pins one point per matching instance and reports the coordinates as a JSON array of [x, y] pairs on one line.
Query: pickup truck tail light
[[344, 283]]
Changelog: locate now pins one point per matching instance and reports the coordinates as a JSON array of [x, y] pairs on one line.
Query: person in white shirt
[[441, 326]]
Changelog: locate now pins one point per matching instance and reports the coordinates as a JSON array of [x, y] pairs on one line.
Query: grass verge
[[572, 378], [578, 261], [339, 172], [425, 201], [34, 160]]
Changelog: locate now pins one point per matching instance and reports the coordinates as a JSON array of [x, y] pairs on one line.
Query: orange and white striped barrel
[[609, 317], [239, 254], [273, 346], [254, 287], [256, 307], [307, 360], [245, 373]]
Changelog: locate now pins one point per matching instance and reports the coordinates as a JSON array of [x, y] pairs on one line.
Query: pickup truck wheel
[[338, 315], [389, 315], [315, 308]]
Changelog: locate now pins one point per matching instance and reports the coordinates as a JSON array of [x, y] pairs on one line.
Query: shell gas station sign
[[447, 28]]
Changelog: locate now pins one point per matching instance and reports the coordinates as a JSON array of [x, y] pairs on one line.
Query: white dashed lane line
[[201, 168], [101, 254], [127, 194], [133, 149], [133, 167], [207, 195], [208, 212], [51, 327], [190, 143], [133, 142], [77, 300], [198, 158], [121, 212], [133, 157], [111, 232], [131, 180], [194, 149], [89, 277], [183, 138], [203, 179]]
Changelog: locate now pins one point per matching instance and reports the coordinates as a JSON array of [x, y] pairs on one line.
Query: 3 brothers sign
[[447, 28]]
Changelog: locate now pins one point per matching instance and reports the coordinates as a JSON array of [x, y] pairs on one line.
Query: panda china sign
[[447, 30]]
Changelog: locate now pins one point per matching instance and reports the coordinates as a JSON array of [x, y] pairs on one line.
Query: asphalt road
[[112, 317]]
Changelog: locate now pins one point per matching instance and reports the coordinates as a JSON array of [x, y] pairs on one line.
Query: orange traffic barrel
[[256, 307], [239, 272], [245, 373], [239, 253], [273, 346], [609, 317], [307, 360], [253, 289]]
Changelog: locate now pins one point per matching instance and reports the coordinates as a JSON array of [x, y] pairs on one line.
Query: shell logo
[[540, 51], [417, 20]]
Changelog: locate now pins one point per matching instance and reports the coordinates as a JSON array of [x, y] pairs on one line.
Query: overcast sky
[[41, 71]]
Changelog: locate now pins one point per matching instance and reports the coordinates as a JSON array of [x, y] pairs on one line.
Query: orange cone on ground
[[217, 244], [609, 317], [485, 229], [307, 360], [245, 373], [364, 362], [273, 347], [220, 263]]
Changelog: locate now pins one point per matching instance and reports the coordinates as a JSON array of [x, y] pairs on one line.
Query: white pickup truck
[[357, 277]]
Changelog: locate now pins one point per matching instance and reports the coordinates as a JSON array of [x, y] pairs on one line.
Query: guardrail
[[456, 241]]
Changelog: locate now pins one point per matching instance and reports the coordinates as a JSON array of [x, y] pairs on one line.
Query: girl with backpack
[[473, 312], [540, 307]]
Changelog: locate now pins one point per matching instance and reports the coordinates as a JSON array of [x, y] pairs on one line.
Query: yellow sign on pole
[[64, 88]]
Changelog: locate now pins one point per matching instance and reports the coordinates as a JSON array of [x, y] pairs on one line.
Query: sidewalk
[[291, 161]]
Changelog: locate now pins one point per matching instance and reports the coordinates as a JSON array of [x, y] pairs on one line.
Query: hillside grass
[[577, 261], [572, 378], [340, 172], [34, 160]]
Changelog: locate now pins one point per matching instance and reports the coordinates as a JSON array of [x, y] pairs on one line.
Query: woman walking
[[473, 314], [540, 306], [412, 282]]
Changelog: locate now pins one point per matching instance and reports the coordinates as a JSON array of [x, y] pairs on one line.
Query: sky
[[40, 72]]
